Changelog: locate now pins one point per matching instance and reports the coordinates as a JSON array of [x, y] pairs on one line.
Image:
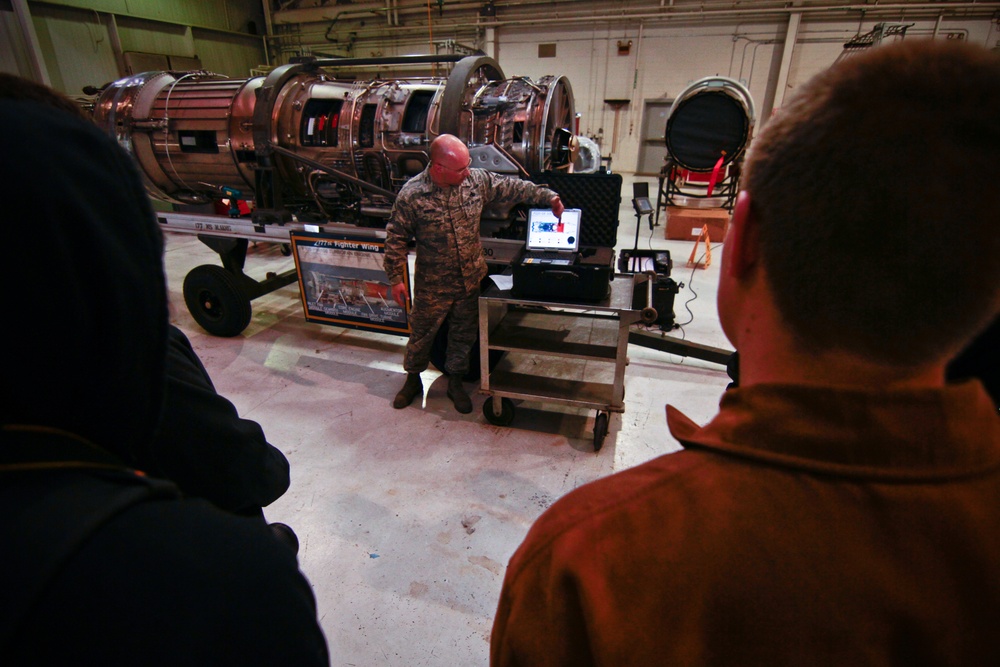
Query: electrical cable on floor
[[681, 325]]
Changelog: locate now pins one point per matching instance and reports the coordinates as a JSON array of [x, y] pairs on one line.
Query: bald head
[[450, 161], [448, 145]]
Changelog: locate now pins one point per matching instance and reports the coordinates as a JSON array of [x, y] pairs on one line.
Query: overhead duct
[[309, 140]]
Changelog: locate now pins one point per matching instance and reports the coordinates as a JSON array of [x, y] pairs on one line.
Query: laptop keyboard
[[540, 255]]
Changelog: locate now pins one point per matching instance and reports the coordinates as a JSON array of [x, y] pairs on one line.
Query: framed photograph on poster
[[342, 282]]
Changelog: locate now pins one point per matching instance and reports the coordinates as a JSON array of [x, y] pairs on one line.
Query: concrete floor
[[407, 518]]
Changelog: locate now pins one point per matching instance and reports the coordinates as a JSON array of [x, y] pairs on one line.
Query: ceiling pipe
[[325, 14], [679, 16], [702, 11], [932, 10], [462, 27]]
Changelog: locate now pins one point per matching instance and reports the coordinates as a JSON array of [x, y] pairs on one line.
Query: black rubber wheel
[[600, 430], [506, 415], [216, 300]]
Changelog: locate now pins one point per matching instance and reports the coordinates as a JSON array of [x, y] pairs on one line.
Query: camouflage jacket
[[445, 224]]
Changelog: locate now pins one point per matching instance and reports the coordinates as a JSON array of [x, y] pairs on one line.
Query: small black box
[[587, 279]]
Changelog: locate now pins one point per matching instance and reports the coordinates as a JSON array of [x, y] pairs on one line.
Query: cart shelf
[[533, 330]]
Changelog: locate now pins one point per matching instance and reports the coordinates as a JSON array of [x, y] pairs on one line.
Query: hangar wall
[[667, 59], [81, 41]]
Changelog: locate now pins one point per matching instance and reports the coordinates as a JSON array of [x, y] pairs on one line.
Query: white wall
[[667, 59], [662, 61]]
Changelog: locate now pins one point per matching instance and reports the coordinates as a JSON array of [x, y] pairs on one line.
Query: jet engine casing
[[304, 141]]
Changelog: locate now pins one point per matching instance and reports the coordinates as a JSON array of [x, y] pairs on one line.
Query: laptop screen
[[547, 232]]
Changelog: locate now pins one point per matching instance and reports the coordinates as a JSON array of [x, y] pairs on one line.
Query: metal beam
[[786, 59], [683, 348], [36, 60]]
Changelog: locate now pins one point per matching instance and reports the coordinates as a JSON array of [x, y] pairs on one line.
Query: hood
[[84, 291]]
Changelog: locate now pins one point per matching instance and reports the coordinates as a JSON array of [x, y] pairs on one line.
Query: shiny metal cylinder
[[335, 148]]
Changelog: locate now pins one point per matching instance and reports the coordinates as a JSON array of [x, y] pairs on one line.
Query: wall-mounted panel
[[145, 62], [76, 47], [185, 12], [230, 15], [154, 37], [228, 54]]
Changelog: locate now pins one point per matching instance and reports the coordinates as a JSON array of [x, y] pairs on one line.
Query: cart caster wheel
[[506, 415], [600, 430], [286, 250], [216, 300]]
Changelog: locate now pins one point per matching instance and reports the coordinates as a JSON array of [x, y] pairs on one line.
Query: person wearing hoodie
[[103, 564], [203, 445]]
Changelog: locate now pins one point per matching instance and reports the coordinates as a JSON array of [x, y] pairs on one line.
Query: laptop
[[551, 240]]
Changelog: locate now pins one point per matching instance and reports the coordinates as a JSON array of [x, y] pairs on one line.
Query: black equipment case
[[588, 278]]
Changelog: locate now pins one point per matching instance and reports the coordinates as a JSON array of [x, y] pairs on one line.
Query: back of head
[[85, 280], [875, 191]]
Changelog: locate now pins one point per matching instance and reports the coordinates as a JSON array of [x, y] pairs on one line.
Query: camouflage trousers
[[429, 311]]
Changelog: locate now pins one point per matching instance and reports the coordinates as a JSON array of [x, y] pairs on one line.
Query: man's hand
[[557, 207], [399, 295]]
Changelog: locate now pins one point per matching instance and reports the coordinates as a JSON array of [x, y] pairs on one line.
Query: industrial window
[[320, 122], [198, 141], [546, 50]]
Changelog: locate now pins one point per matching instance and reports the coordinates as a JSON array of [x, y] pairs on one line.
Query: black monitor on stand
[[642, 206]]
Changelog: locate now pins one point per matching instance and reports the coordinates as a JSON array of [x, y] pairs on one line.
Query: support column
[[111, 23], [490, 45], [36, 60], [268, 31], [786, 59]]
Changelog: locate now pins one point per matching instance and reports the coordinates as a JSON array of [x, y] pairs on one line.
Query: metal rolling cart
[[534, 332]]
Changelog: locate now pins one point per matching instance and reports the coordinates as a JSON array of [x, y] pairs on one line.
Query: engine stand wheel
[[506, 415], [216, 300]]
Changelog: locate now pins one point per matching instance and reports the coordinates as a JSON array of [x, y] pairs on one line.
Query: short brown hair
[[878, 203]]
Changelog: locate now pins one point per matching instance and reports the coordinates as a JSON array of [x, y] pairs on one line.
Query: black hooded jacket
[[205, 447], [156, 579]]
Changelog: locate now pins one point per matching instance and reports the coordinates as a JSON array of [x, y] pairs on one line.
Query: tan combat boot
[[410, 389], [457, 394]]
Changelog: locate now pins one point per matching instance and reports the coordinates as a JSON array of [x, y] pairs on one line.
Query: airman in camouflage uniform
[[440, 208]]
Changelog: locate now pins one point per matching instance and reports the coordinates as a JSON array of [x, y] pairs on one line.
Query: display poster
[[342, 282]]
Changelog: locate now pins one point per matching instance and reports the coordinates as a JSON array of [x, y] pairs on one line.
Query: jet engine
[[311, 141]]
